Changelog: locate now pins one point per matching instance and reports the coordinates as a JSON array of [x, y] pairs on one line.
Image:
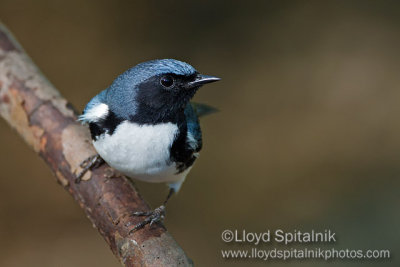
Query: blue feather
[[98, 99], [121, 94], [193, 127]]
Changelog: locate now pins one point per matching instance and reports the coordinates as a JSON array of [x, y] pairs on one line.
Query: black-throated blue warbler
[[145, 126]]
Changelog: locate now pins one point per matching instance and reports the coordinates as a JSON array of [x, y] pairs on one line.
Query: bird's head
[[155, 90]]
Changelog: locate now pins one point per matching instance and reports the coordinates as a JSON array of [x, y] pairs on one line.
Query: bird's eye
[[167, 81]]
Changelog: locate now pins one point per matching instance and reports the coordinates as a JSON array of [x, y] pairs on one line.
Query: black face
[[162, 98]]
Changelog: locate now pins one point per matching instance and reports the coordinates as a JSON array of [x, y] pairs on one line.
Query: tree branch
[[47, 122]]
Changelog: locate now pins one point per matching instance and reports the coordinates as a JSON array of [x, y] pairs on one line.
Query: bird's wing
[[202, 109], [95, 110], [193, 140], [193, 112]]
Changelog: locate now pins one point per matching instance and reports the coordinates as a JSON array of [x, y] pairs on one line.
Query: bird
[[145, 126]]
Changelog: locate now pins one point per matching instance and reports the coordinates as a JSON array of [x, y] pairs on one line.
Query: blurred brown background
[[308, 136]]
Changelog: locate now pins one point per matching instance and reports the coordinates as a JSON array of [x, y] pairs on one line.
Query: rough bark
[[47, 122]]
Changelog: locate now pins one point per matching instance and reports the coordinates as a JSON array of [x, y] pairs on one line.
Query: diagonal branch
[[47, 122]]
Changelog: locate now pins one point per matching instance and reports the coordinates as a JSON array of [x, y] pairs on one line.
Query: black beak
[[202, 79]]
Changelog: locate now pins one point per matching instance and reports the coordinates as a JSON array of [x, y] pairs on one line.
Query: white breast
[[140, 151]]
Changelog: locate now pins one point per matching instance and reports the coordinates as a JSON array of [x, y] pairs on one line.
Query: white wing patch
[[191, 141], [95, 113]]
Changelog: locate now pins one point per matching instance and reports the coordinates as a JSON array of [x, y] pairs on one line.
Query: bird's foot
[[111, 173], [90, 163], [154, 216]]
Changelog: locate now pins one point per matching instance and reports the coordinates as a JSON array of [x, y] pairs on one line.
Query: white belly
[[140, 151]]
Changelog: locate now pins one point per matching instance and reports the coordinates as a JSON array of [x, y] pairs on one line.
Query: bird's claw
[[111, 173], [157, 215], [89, 164]]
